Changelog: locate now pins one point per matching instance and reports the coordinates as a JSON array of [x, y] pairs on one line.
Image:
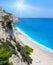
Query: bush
[[11, 63], [4, 56], [5, 53], [28, 48], [29, 60], [5, 17], [25, 52], [9, 44], [14, 52], [1, 46], [19, 47]]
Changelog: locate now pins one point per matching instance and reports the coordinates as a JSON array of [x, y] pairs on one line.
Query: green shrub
[[5, 53], [14, 52], [28, 48], [4, 56], [19, 47], [11, 63], [1, 46], [5, 17], [9, 44], [25, 52]]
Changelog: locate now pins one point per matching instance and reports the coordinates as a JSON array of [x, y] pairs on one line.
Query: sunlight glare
[[20, 5], [25, 8]]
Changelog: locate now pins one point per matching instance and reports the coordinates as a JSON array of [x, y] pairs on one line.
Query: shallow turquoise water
[[39, 29]]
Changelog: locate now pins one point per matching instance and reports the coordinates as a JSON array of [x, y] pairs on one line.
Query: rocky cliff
[[3, 13]]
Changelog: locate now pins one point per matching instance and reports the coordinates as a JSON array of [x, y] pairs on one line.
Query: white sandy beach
[[39, 55]]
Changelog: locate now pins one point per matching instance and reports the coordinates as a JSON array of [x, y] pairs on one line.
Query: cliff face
[[3, 13], [12, 17]]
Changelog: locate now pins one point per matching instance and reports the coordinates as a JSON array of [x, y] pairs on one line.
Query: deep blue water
[[39, 29]]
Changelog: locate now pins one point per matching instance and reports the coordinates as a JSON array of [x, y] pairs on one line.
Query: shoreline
[[44, 48], [39, 56]]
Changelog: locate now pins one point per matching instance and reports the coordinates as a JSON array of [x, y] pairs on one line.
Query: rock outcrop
[[11, 16]]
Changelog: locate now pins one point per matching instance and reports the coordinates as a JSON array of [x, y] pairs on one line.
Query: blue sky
[[29, 8]]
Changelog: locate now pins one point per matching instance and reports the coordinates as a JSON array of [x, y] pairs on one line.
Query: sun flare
[[20, 5]]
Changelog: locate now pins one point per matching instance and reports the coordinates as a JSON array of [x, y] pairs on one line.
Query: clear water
[[39, 29]]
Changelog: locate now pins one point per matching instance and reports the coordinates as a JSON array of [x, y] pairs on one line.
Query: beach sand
[[40, 55]]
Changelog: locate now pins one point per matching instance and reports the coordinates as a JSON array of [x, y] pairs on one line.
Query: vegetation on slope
[[6, 18], [4, 56], [7, 49], [7, 22], [25, 52]]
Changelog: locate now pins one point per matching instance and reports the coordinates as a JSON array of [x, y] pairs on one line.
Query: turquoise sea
[[39, 29]]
